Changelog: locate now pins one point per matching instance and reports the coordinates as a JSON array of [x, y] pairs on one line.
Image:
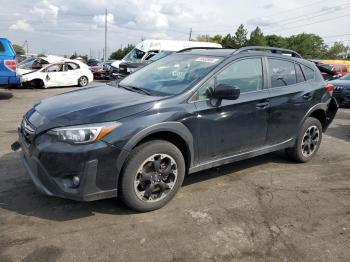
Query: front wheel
[[308, 141], [83, 81], [153, 174]]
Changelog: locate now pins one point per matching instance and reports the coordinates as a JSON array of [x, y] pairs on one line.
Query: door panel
[[233, 127], [229, 127], [290, 98]]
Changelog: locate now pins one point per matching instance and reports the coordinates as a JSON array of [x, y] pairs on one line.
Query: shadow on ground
[[18, 194], [5, 95]]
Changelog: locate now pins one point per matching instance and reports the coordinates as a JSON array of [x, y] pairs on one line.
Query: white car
[[64, 73]]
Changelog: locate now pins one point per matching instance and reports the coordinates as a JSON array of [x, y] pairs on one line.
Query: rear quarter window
[[308, 73]]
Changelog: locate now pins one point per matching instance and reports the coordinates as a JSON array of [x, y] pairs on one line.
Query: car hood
[[89, 105]]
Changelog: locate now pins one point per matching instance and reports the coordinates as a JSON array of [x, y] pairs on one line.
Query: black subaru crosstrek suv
[[187, 112]]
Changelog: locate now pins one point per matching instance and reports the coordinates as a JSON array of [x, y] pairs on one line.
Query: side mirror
[[224, 91]]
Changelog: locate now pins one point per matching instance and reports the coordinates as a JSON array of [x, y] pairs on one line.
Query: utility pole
[[105, 49], [190, 36]]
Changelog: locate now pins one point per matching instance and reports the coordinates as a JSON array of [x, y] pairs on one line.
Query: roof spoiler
[[274, 50]]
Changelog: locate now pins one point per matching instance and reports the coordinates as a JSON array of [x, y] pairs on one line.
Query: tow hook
[[15, 146]]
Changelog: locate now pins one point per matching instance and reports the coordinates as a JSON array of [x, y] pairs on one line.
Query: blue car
[[8, 64]]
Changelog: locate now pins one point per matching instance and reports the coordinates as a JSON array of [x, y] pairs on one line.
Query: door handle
[[307, 96], [262, 105]]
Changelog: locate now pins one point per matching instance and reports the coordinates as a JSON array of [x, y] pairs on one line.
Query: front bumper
[[52, 167]]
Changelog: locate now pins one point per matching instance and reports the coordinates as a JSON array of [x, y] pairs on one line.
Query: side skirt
[[242, 156]]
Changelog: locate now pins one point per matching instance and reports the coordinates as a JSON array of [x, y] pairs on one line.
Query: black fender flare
[[173, 127], [322, 106]]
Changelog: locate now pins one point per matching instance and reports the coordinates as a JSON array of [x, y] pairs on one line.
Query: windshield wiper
[[135, 88]]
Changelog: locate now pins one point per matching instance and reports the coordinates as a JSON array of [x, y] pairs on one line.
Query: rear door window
[[72, 66], [344, 69], [282, 73]]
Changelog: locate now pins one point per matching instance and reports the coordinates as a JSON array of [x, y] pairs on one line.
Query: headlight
[[84, 133]]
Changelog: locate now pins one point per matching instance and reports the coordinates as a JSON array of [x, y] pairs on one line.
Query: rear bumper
[[10, 80], [342, 97], [52, 168]]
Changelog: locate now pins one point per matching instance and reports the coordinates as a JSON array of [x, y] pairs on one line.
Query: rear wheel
[[83, 81], [153, 174], [308, 141]]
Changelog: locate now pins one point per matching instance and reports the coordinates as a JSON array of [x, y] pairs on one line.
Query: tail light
[[330, 89], [11, 65]]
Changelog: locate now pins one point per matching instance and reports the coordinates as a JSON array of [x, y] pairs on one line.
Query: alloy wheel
[[310, 141], [155, 178]]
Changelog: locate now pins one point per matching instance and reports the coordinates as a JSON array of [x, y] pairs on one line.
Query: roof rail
[[274, 50], [198, 47]]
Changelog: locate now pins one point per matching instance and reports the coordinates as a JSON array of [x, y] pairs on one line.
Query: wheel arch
[[173, 132], [318, 111]]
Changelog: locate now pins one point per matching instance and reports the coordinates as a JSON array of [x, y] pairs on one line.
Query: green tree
[[227, 41], [121, 52], [240, 37], [207, 38], [18, 49], [337, 51], [276, 41], [308, 45], [257, 37]]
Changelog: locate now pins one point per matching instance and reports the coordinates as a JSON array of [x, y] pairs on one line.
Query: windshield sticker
[[207, 59]]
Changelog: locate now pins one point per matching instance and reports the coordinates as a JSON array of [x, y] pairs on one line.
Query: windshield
[[134, 55], [172, 75], [346, 77]]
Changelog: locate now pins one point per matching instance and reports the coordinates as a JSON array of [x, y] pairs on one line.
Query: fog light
[[75, 181]]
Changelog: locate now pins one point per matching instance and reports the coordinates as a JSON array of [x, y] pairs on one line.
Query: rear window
[[282, 73], [309, 73], [2, 48]]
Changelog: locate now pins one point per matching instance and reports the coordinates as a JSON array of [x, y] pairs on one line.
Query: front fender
[[173, 127]]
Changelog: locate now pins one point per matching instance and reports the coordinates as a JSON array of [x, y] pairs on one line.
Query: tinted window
[[309, 73], [282, 73], [245, 74], [344, 69], [2, 48], [299, 73], [337, 68]]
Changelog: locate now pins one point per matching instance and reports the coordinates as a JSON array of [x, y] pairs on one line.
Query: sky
[[62, 27]]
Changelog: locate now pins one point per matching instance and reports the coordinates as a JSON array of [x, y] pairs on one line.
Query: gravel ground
[[263, 209]]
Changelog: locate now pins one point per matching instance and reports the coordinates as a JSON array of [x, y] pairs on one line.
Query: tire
[[37, 83], [133, 181], [306, 146], [83, 81]]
